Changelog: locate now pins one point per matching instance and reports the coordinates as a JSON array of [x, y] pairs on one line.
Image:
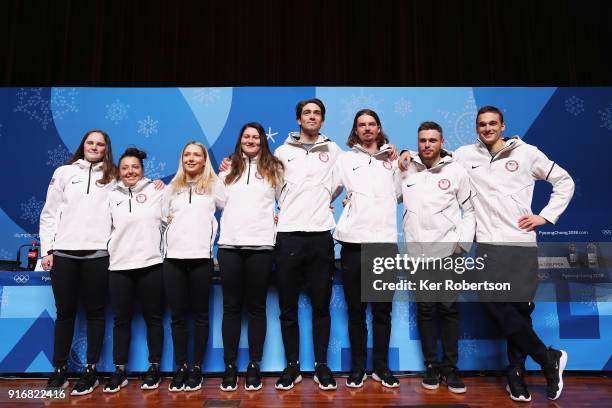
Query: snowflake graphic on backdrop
[[402, 107], [31, 102], [147, 126], [605, 116], [206, 96], [30, 210], [551, 320], [58, 156], [78, 349], [357, 102], [4, 254], [401, 311], [117, 111], [467, 346], [63, 101], [334, 345], [586, 296], [154, 169], [574, 105], [459, 126], [4, 298], [304, 301], [337, 298]]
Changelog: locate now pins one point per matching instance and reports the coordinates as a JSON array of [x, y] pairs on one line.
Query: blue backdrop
[[40, 126]]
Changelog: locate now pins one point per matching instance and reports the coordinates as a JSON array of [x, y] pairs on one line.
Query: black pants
[[72, 279], [245, 278], [187, 284], [304, 258], [514, 318], [381, 314], [146, 285], [444, 314]]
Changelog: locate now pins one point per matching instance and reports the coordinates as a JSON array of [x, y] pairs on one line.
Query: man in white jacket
[[503, 172], [438, 222]]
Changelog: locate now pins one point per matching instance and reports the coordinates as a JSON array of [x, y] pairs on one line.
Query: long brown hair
[[268, 166], [109, 170], [353, 139]]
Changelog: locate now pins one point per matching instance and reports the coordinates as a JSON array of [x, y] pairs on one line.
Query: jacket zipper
[[498, 153], [190, 195], [130, 200], [249, 173], [89, 179]]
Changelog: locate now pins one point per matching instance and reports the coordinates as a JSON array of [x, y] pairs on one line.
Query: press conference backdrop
[[40, 127]]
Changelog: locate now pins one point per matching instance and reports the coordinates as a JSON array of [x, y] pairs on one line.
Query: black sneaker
[[87, 383], [356, 378], [386, 378], [324, 377], [178, 381], [517, 388], [116, 381], [453, 381], [152, 378], [230, 378], [553, 371], [194, 379], [58, 379], [431, 381], [290, 376], [253, 377]]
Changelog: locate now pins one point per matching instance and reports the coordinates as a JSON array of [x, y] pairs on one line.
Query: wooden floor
[[482, 392]]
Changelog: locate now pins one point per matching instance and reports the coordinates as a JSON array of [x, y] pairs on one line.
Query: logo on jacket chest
[[324, 157], [444, 184], [141, 198], [512, 165]]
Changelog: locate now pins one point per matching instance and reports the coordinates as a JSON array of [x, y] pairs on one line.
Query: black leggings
[[381, 314], [245, 277], [187, 283], [146, 284], [304, 258], [72, 279]]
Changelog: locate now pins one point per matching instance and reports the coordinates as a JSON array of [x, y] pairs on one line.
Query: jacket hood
[[446, 157], [509, 143], [384, 150], [138, 187], [84, 164], [294, 139]]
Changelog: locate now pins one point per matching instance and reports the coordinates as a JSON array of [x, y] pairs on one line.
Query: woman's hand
[[47, 262]]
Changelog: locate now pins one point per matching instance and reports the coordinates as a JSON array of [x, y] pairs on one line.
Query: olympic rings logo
[[21, 278]]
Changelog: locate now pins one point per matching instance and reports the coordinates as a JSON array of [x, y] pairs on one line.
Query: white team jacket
[[193, 228], [76, 214], [306, 193], [502, 188], [438, 212], [371, 212], [248, 209], [135, 239]]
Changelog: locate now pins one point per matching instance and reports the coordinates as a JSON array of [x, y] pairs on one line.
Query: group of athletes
[[107, 229]]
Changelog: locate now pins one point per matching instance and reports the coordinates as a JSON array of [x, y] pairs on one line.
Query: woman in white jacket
[[75, 226], [246, 248], [135, 266], [369, 216], [189, 204]]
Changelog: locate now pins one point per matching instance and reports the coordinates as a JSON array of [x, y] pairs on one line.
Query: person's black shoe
[[152, 378], [289, 377], [356, 378], [87, 383], [431, 381], [58, 379], [230, 378], [517, 388], [453, 381], [178, 381], [386, 378], [194, 379], [116, 382], [324, 377], [553, 371], [253, 377]]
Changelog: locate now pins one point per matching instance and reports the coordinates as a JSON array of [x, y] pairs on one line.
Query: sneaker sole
[[457, 390], [150, 387], [359, 385], [190, 389], [429, 386], [562, 364], [375, 377], [87, 391], [329, 387], [229, 389], [253, 387], [522, 398], [297, 380], [114, 390], [175, 389]]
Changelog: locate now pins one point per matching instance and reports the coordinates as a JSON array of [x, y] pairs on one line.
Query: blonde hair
[[207, 179]]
